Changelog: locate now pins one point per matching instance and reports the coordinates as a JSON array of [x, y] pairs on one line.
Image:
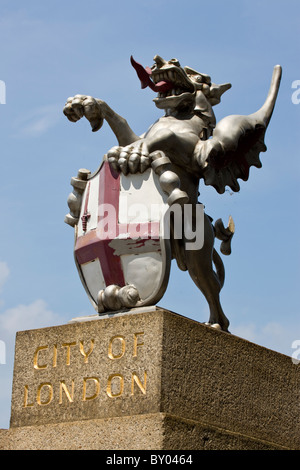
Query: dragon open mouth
[[169, 81], [174, 76]]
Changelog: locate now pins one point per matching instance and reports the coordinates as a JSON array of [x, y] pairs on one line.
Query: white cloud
[[245, 331], [38, 121], [273, 335], [21, 317], [24, 317]]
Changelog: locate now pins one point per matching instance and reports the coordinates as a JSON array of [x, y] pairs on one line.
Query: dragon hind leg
[[200, 267]]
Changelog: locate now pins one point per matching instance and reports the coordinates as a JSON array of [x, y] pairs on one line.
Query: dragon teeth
[[173, 92], [171, 75]]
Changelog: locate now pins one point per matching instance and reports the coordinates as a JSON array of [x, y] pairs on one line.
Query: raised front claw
[[130, 159], [81, 105]]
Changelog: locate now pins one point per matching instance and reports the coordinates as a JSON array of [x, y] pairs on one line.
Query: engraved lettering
[[36, 358], [39, 393], [86, 353], [114, 391], [112, 354], [63, 387], [136, 343], [135, 379], [26, 404], [54, 362], [96, 387], [68, 354]]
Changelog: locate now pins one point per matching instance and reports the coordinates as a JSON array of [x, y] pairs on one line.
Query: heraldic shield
[[121, 252]]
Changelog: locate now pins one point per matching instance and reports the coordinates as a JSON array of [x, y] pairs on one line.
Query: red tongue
[[144, 76]]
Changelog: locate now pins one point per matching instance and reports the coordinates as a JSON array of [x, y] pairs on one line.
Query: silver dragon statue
[[181, 148]]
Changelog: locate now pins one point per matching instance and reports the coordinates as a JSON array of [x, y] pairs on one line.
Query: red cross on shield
[[119, 237]]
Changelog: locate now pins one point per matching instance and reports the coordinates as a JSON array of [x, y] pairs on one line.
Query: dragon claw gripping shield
[[140, 209]]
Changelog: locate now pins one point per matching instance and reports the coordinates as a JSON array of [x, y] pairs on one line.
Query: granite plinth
[[150, 380]]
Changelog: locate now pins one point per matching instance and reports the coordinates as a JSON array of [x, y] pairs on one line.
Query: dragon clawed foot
[[114, 298], [216, 326], [137, 160], [131, 159], [85, 106]]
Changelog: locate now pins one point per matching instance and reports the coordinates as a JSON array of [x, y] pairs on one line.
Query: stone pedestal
[[149, 380]]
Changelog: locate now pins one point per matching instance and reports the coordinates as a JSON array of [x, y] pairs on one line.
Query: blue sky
[[56, 49]]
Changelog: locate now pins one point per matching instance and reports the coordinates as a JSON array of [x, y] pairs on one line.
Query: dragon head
[[179, 86]]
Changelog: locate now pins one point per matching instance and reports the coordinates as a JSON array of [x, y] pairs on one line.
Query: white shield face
[[120, 235]]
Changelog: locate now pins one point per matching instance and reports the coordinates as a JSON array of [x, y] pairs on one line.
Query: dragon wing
[[236, 143]]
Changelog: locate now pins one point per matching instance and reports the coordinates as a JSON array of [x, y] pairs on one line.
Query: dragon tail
[[220, 271], [224, 234]]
